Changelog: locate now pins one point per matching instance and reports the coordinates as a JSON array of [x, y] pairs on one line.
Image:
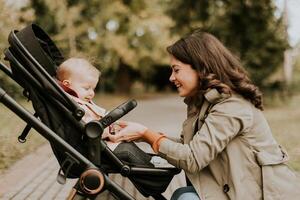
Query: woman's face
[[184, 77]]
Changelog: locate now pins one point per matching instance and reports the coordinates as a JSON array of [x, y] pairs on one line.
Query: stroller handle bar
[[118, 112], [94, 129]]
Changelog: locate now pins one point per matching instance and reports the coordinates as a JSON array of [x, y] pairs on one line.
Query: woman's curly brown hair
[[218, 68]]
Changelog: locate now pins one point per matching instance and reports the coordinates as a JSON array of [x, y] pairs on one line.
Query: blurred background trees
[[249, 28], [126, 39], [12, 16]]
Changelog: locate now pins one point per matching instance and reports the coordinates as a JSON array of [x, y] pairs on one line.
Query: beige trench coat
[[233, 155]]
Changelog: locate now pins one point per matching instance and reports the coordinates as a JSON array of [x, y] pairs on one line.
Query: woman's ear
[[66, 83]]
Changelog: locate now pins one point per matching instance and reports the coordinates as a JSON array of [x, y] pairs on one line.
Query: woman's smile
[[184, 77]]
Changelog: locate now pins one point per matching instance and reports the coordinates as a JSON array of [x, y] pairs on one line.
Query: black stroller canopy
[[41, 47]]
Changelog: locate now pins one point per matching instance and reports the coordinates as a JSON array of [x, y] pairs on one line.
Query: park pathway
[[34, 177]]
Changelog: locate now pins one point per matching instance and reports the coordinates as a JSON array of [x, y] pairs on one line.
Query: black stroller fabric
[[151, 185], [41, 47], [125, 150], [62, 126], [63, 123]]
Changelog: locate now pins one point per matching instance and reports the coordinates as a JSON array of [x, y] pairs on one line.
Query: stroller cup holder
[[78, 147]]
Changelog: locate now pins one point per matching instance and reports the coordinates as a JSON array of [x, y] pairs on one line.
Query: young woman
[[227, 149]]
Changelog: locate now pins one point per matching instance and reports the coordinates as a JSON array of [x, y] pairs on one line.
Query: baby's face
[[84, 85]]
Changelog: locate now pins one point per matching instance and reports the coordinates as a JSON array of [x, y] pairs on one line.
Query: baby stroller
[[78, 147]]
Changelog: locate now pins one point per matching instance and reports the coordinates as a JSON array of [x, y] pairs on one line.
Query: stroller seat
[[77, 146]]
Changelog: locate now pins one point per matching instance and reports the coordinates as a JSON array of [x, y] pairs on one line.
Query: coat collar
[[212, 96]]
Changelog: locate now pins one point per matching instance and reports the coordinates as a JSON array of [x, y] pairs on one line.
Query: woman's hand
[[130, 131]]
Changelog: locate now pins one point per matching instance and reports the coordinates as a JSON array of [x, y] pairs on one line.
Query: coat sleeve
[[176, 139], [224, 122]]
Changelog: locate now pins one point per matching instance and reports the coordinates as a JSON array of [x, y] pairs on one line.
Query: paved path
[[34, 177]]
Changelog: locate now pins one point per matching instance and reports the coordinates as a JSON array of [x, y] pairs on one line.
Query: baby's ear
[[66, 83]]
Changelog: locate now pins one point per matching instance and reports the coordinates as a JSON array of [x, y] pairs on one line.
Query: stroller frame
[[93, 179]]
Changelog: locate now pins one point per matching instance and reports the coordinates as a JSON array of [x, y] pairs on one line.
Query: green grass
[[284, 121], [11, 128], [285, 124]]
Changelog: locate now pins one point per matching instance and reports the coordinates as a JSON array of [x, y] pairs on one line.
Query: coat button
[[226, 188]]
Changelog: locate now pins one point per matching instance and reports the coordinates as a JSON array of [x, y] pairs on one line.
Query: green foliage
[[249, 28], [12, 17], [113, 33], [129, 32], [44, 15], [128, 37]]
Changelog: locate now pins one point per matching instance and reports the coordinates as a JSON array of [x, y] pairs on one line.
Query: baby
[[79, 78]]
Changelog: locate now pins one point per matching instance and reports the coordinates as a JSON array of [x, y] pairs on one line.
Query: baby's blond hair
[[74, 66]]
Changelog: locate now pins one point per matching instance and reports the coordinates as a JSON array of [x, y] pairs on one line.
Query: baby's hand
[[113, 129], [129, 131], [105, 134], [116, 127]]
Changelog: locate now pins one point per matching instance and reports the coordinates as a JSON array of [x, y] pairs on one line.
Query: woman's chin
[[181, 94], [185, 94]]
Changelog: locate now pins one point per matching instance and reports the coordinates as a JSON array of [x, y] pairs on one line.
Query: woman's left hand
[[130, 131]]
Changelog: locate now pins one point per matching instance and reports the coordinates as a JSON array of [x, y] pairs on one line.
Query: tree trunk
[[123, 78]]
